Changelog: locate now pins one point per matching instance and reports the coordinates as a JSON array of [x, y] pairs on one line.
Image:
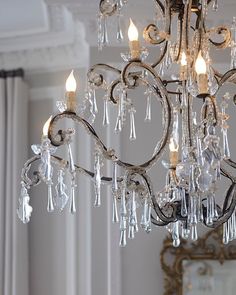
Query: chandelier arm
[[225, 32], [60, 139], [166, 105], [156, 207], [161, 6], [35, 180], [97, 79], [229, 76], [227, 173], [158, 222], [230, 162]]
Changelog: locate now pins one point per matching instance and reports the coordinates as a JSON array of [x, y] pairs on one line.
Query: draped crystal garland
[[196, 142]]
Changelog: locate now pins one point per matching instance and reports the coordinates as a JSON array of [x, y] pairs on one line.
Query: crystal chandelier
[[196, 142]]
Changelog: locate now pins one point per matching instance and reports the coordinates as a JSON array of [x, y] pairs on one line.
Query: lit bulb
[[132, 32], [173, 146], [71, 83], [200, 65], [46, 126], [183, 59]]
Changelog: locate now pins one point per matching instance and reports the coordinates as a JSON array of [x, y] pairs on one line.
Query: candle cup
[[71, 101], [174, 156], [202, 81], [135, 49]]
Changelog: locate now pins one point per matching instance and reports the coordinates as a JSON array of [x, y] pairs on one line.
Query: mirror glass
[[208, 277]]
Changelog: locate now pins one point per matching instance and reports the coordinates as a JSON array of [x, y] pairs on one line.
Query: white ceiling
[[42, 27]]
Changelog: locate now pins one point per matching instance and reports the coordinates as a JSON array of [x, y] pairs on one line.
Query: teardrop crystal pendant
[[72, 200], [226, 151], [24, 210], [114, 178], [61, 198], [132, 135], [50, 206], [123, 241], [194, 233], [106, 121], [215, 5], [115, 216], [104, 34], [225, 233], [119, 34], [95, 107], [118, 126], [184, 210]]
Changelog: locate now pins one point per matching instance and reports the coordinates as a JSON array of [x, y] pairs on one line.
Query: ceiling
[[64, 25]]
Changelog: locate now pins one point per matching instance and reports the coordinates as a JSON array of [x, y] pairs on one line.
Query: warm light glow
[[71, 83], [132, 32], [173, 146], [184, 59], [200, 64], [46, 126]]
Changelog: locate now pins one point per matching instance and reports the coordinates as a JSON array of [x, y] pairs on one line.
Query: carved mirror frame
[[209, 247]]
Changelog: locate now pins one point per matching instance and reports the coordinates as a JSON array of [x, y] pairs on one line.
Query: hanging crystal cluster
[[195, 141]]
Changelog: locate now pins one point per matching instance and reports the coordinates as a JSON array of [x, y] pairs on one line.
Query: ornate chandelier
[[196, 142]]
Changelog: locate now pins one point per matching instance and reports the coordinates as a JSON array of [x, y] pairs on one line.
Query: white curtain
[[13, 153]]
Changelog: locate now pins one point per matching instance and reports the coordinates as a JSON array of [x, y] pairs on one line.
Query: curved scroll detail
[[223, 31], [107, 8]]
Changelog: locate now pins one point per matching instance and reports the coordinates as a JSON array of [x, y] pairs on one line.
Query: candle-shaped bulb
[[46, 126], [200, 64], [173, 145], [132, 32], [71, 83], [183, 59]]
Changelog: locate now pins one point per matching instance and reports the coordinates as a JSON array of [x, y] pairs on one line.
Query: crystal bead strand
[[97, 179], [224, 105], [115, 216], [99, 24], [123, 219], [132, 217], [132, 136], [148, 107], [233, 44], [73, 175], [106, 120]]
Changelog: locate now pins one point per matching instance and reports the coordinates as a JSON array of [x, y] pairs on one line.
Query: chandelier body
[[196, 143]]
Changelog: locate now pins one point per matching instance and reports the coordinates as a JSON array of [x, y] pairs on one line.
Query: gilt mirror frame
[[208, 247]]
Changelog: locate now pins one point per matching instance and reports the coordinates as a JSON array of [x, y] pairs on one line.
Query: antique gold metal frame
[[209, 247]]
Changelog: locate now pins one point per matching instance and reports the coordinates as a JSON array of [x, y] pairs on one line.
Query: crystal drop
[[215, 5], [148, 109], [104, 35], [131, 232], [123, 238], [119, 34], [132, 124], [106, 121], [118, 126], [123, 210], [226, 151], [225, 233], [61, 198], [95, 107], [193, 210], [185, 233], [71, 160], [24, 210], [209, 219], [144, 218], [194, 234], [176, 243], [175, 233], [115, 216], [50, 205], [184, 210], [97, 180], [148, 228], [72, 200]]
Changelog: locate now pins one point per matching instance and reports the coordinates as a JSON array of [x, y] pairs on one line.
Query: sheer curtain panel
[[13, 153]]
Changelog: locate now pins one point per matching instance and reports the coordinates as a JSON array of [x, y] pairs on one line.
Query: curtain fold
[[13, 153]]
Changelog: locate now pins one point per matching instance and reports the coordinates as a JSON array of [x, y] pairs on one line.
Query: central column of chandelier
[[196, 143]]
